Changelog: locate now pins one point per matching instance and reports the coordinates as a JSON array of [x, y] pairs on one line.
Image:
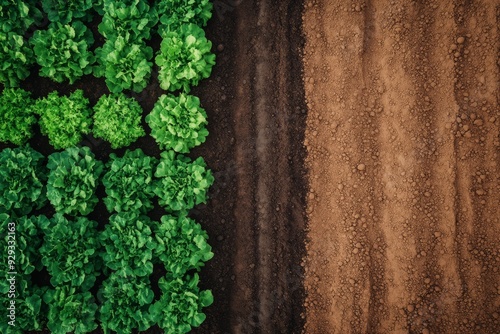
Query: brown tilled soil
[[403, 156]]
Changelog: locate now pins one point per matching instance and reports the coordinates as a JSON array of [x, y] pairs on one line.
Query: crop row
[[74, 252], [63, 50], [176, 122]]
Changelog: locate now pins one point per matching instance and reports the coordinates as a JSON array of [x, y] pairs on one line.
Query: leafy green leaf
[[16, 58], [17, 16], [180, 305], [178, 123], [184, 58], [181, 244], [70, 252], [62, 51], [129, 182], [125, 65], [174, 13], [132, 19], [117, 119], [70, 310], [28, 239], [22, 178], [128, 244], [64, 119], [64, 11], [73, 179], [125, 302], [17, 116], [183, 183]]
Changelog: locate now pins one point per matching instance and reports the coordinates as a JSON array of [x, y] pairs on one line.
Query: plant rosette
[[70, 310], [28, 240], [178, 123], [62, 51], [181, 303], [184, 58], [70, 251], [174, 13], [22, 181], [124, 64], [125, 303], [182, 183], [128, 244], [64, 11], [73, 179], [134, 18], [117, 119], [18, 16], [129, 182], [16, 58], [181, 244], [30, 314], [64, 119], [16, 115]]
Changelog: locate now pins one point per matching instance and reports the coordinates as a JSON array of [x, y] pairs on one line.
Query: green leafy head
[[128, 244], [184, 58], [181, 244], [174, 13], [125, 64], [62, 51], [70, 251], [125, 302], [178, 122], [183, 183], [117, 119], [16, 115], [129, 182], [64, 119], [180, 305], [22, 179], [16, 58], [70, 310], [73, 179]]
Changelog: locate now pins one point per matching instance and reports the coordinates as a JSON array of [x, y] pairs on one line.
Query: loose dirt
[[403, 155]]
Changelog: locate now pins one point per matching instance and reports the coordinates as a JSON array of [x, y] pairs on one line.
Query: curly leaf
[[178, 123]]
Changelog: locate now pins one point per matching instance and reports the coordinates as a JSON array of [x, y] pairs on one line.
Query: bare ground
[[403, 154]]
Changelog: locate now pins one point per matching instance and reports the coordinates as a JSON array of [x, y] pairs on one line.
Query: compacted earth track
[[403, 156]]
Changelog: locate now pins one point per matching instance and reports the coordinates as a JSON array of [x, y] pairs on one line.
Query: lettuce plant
[[181, 244], [125, 302], [125, 65], [27, 241], [22, 179], [70, 251], [178, 123], [180, 305], [132, 18], [64, 11], [64, 119], [117, 119], [129, 182], [30, 315], [17, 16], [16, 115], [16, 58], [62, 51], [183, 183], [176, 12], [70, 310], [73, 179], [184, 58], [128, 244]]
